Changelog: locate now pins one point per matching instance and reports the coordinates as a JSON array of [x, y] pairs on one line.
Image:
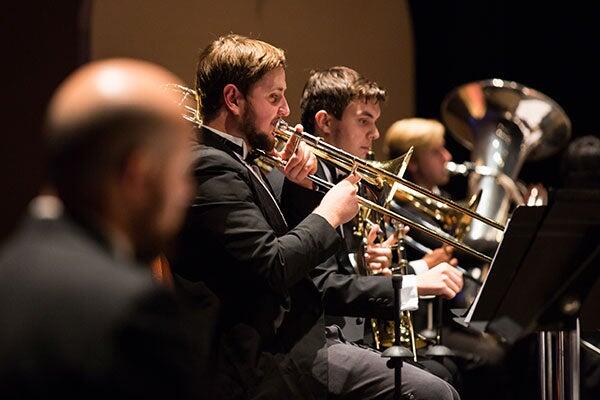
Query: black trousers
[[356, 372]]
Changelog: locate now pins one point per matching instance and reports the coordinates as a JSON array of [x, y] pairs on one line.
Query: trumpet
[[375, 174]]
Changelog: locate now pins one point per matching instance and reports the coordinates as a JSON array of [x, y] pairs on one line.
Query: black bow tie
[[251, 156]]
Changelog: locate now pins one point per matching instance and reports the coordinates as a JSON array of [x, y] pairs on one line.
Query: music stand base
[[396, 354], [439, 351], [559, 360]]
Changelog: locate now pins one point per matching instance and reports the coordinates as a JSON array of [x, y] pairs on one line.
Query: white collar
[[235, 140], [46, 206]]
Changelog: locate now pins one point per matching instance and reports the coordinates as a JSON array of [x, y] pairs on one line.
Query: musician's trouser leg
[[359, 373]]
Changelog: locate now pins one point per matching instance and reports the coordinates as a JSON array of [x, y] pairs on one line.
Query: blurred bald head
[[112, 131], [109, 86]]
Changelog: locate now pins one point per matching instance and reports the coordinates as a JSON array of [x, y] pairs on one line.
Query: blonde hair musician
[[427, 166]]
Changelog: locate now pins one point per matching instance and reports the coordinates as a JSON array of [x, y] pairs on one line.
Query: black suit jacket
[[77, 322], [344, 292], [237, 241]]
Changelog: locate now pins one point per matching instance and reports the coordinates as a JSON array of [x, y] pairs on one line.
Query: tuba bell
[[504, 124]]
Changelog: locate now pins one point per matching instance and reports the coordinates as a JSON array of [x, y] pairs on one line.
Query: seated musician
[[342, 108], [479, 358], [427, 166]]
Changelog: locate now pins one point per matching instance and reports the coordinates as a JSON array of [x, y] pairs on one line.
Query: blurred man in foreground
[[79, 312]]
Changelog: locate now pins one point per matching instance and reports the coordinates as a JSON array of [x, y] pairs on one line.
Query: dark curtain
[[43, 43], [550, 47]]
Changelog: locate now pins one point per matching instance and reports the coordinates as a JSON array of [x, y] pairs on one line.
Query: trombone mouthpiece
[[282, 125]]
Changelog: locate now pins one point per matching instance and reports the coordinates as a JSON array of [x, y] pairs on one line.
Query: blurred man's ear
[[133, 177]]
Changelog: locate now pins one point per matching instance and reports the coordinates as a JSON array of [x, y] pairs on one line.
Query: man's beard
[[257, 140]]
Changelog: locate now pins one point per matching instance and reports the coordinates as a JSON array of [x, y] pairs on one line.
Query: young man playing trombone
[[343, 108]]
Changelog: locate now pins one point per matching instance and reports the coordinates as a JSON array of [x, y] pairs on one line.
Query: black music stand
[[397, 352], [543, 272]]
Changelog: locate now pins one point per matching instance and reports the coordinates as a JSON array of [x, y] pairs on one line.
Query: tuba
[[504, 124]]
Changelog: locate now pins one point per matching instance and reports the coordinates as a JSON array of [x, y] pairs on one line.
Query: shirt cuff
[[419, 266], [409, 297]]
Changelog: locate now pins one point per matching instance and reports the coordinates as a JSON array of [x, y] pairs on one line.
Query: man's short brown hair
[[333, 90], [232, 59]]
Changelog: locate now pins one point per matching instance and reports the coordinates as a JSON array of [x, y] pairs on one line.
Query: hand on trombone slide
[[300, 161], [340, 203], [442, 280]]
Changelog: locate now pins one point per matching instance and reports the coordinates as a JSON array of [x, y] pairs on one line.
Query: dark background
[[553, 47], [42, 43], [550, 47]]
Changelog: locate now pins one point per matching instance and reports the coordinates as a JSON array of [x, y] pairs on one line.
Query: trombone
[[370, 172], [379, 177], [375, 174]]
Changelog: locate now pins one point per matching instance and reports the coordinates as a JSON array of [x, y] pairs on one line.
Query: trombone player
[[427, 166], [342, 107]]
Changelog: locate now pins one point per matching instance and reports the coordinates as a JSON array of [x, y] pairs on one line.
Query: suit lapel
[[265, 198]]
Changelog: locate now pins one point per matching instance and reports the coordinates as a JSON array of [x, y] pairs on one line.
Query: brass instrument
[[371, 173], [383, 330], [189, 102], [382, 179], [407, 332], [451, 221], [504, 124]]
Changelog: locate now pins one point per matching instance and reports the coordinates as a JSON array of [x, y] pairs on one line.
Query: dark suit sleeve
[[298, 202], [344, 292], [348, 294], [225, 210]]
